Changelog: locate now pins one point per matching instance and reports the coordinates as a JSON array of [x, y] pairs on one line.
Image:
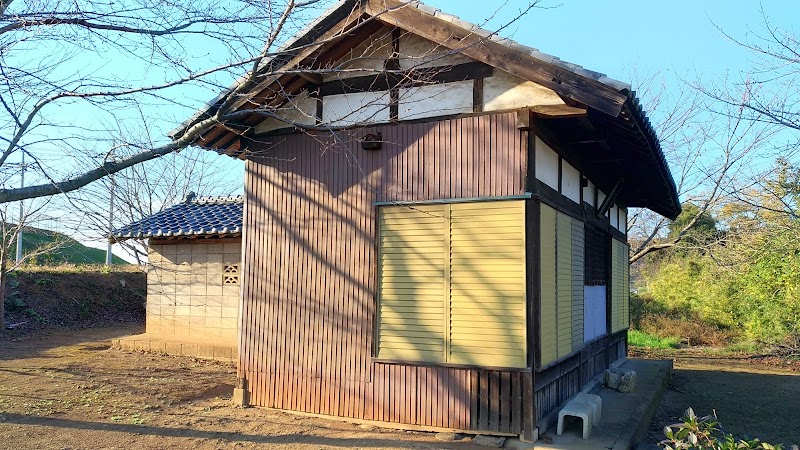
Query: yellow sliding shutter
[[564, 282], [547, 246], [487, 284], [452, 283], [561, 305], [620, 289], [412, 283]]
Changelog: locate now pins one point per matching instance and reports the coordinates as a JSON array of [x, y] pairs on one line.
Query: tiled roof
[[204, 216], [632, 115]]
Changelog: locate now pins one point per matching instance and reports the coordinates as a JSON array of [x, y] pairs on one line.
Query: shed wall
[[309, 274], [187, 295]]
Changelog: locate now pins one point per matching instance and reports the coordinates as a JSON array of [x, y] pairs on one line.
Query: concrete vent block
[[619, 380]]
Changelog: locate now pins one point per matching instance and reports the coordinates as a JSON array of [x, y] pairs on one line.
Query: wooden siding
[[559, 383], [310, 259], [413, 285], [561, 251]]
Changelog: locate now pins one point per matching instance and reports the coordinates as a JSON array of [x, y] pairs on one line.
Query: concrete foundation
[[196, 348], [626, 416]]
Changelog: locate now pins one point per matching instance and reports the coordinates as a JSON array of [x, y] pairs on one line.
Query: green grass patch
[[53, 248], [638, 338]]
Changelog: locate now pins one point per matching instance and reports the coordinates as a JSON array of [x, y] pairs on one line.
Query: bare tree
[[729, 135], [771, 86], [145, 189], [712, 157], [171, 52]]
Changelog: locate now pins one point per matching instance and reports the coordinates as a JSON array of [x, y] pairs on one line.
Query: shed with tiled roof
[[436, 220], [194, 256]]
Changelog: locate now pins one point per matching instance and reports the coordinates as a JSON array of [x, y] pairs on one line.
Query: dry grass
[[80, 268]]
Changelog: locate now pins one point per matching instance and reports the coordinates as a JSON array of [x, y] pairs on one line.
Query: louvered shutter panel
[[412, 282], [564, 283], [547, 305], [620, 290], [487, 284], [578, 248]]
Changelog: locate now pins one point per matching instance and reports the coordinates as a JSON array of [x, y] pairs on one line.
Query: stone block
[[448, 436], [224, 353], [234, 248], [230, 312], [489, 441], [619, 380], [240, 397], [215, 262], [215, 289], [198, 289], [173, 348], [205, 351]]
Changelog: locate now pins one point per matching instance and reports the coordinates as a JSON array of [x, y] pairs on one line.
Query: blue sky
[[676, 39], [613, 36]]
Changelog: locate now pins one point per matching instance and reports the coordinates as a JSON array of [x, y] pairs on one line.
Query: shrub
[[703, 433]]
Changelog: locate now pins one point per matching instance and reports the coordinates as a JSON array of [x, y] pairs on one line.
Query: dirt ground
[[67, 389], [753, 397]]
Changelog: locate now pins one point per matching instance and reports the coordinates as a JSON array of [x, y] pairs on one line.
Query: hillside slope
[[61, 249], [42, 299]]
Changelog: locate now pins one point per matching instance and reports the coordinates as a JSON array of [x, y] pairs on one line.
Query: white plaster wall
[[504, 91], [300, 109], [355, 108], [623, 220], [588, 193], [614, 212], [546, 164], [435, 100], [570, 182], [419, 52], [365, 59]]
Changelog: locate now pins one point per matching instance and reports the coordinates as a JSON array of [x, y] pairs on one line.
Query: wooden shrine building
[[434, 230]]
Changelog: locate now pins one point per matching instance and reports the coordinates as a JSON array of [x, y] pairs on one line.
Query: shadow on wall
[[310, 242]]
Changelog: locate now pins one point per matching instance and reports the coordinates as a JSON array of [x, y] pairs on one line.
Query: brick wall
[[193, 289]]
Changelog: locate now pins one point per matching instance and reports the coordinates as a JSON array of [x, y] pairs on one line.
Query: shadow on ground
[[749, 399]]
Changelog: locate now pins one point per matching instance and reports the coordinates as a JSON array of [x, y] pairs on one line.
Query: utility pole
[[21, 214], [110, 221]]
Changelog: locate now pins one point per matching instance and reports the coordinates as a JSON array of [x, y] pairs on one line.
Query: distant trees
[[748, 280]]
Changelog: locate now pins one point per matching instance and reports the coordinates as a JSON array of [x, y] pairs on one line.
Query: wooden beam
[[409, 78], [477, 95], [586, 90], [557, 111], [311, 77]]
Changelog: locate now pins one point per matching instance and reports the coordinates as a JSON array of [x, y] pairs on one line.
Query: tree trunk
[[3, 273]]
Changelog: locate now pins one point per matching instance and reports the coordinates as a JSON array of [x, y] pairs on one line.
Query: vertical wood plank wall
[[308, 308]]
